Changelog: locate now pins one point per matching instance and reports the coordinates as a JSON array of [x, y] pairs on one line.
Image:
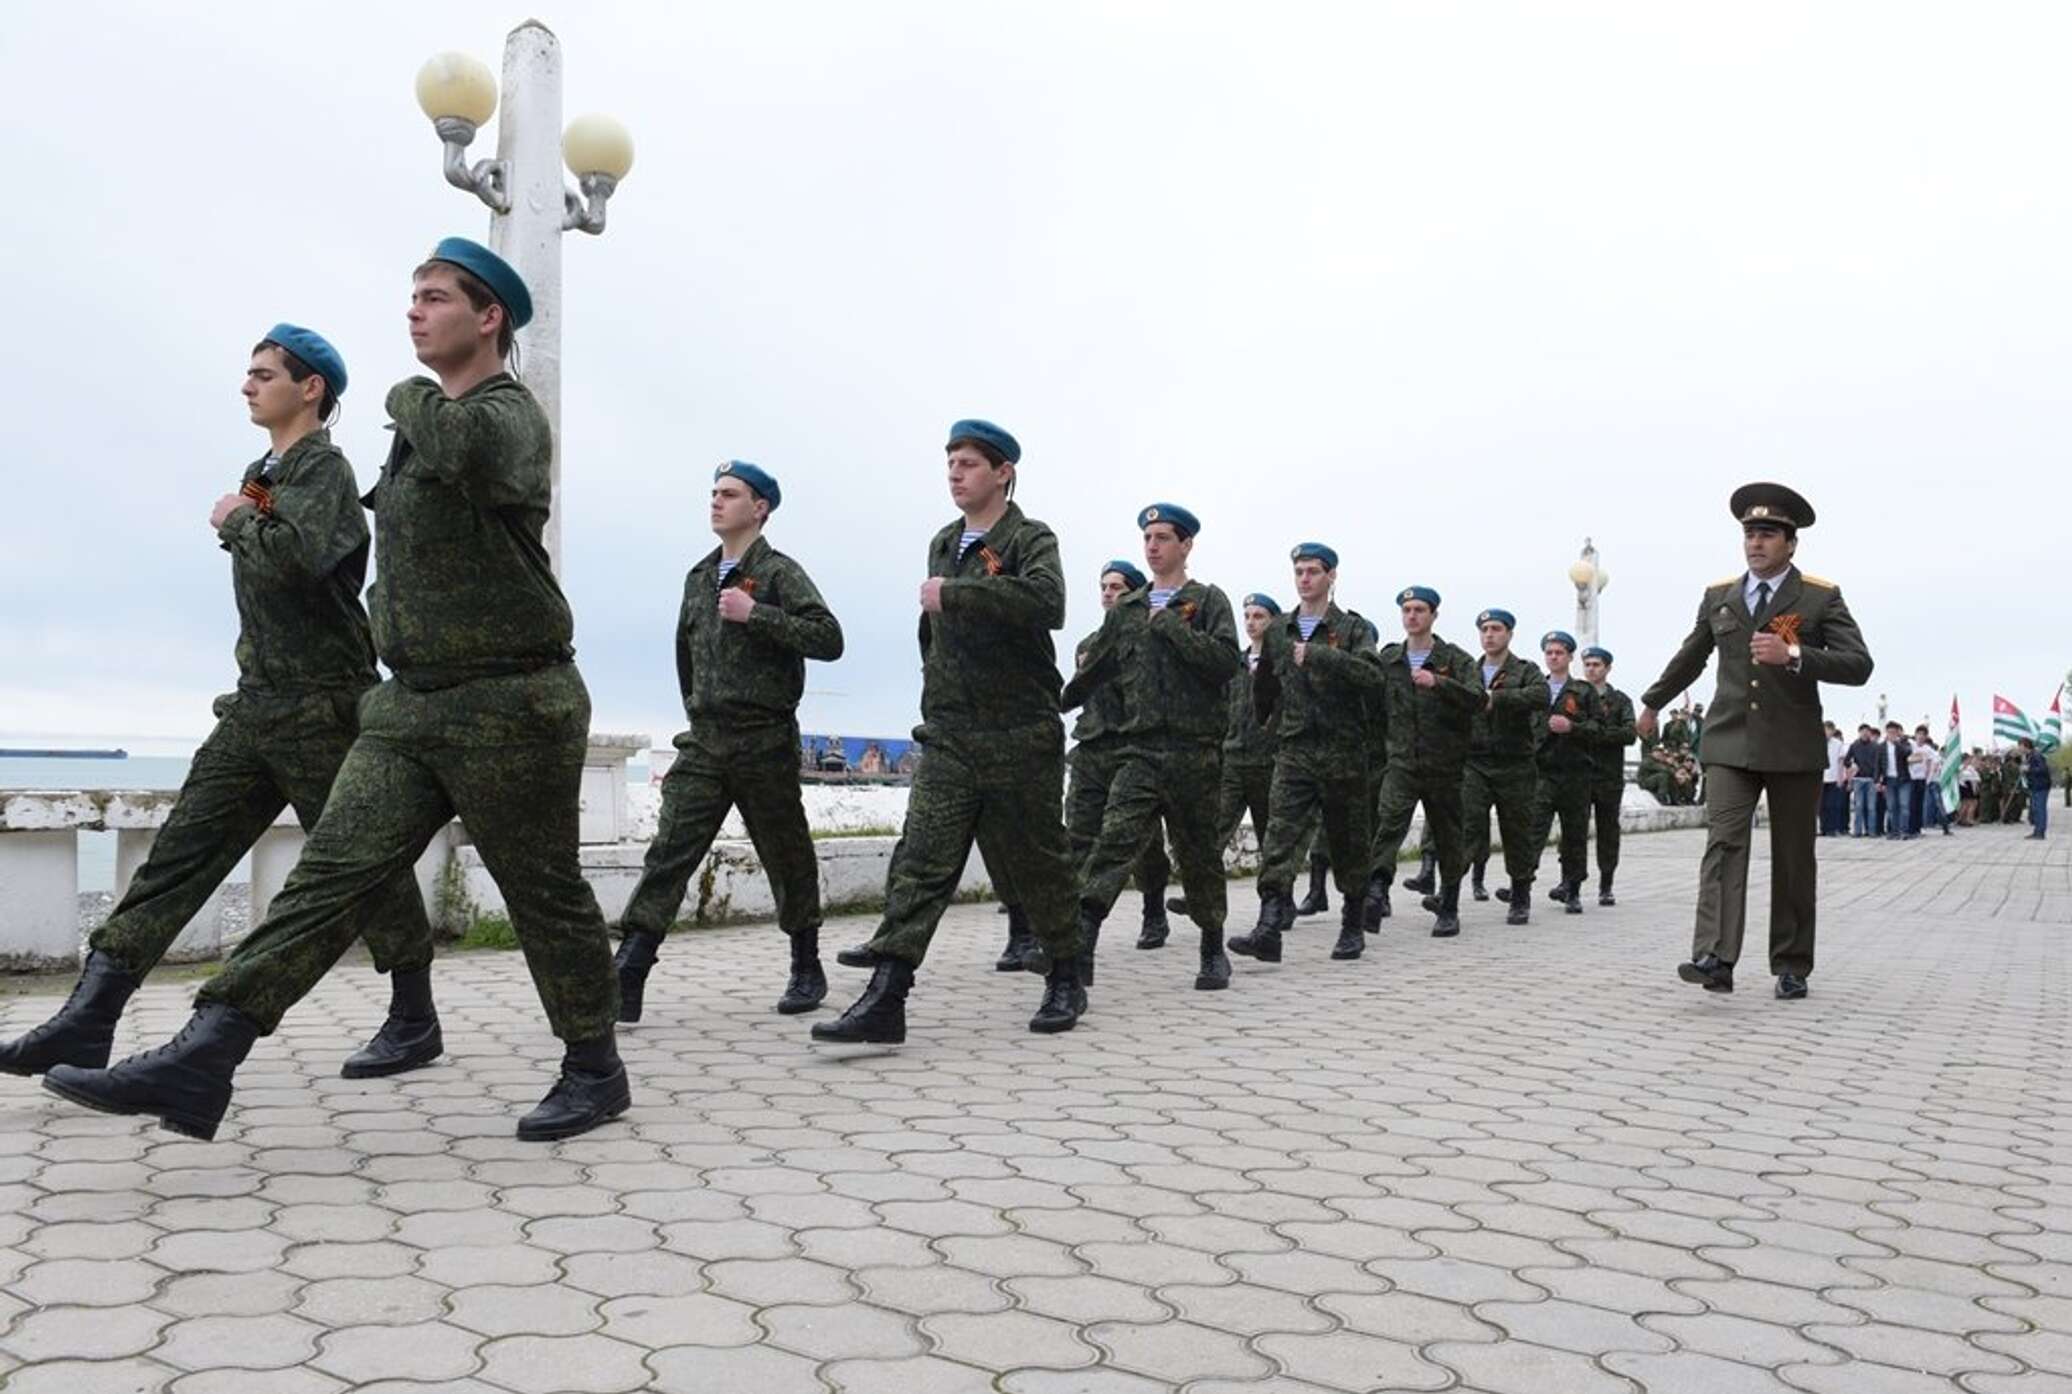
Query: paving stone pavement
[[1526, 1161]]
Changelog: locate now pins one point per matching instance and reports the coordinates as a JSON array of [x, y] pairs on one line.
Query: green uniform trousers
[[1605, 802], [1722, 918], [710, 778], [1004, 790], [265, 754], [1174, 782], [1093, 766], [1564, 794], [1510, 786], [505, 754], [1308, 786], [1243, 790], [1402, 790]]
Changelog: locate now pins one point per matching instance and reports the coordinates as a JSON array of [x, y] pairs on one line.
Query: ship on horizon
[[118, 753]]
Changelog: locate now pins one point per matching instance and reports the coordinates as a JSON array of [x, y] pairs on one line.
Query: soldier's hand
[[1645, 722], [1423, 678], [1560, 725], [1301, 653], [1770, 649], [736, 605], [225, 506], [931, 595]]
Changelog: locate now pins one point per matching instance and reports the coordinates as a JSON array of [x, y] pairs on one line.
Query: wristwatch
[[1791, 656]]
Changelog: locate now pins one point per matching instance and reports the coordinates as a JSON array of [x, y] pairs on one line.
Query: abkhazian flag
[[2053, 732], [1952, 758], [2010, 722]]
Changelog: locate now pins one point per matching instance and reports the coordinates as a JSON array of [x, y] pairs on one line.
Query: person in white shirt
[[1927, 768], [1834, 784]]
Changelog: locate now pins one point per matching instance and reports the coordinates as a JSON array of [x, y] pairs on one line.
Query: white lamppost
[[1590, 577], [529, 205]]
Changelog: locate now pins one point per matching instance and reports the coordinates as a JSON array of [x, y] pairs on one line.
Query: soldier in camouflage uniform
[[1170, 650], [751, 617], [993, 767], [1248, 745], [1608, 788], [1098, 753], [1311, 685], [1568, 768], [298, 554], [1432, 694], [1499, 772], [486, 718]]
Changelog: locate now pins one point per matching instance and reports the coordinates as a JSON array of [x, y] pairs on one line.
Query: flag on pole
[[1952, 759], [2010, 722], [2053, 733]]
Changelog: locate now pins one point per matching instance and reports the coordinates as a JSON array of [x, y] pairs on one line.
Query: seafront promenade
[[1527, 1161]]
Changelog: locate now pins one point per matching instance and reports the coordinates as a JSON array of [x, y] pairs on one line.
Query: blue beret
[[754, 476], [986, 433], [1424, 593], [1502, 617], [1559, 636], [1184, 522], [313, 349], [1595, 652], [1315, 551], [1126, 572], [491, 270], [1263, 601]]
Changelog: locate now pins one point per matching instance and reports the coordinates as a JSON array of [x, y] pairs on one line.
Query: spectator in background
[[1833, 802], [1927, 771], [2037, 771], [1967, 792], [1897, 774], [1865, 759]]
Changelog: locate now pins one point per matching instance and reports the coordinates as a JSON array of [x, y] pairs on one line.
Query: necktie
[[1762, 604]]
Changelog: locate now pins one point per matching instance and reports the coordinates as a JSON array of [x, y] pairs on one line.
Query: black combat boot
[[1352, 941], [1064, 997], [1156, 926], [1177, 904], [1520, 897], [1504, 893], [1089, 943], [184, 1083], [1559, 890], [637, 948], [1604, 887], [864, 956], [1572, 897], [1448, 911], [592, 1090], [82, 1032], [806, 988], [1318, 900], [1374, 906], [408, 1038], [1215, 964], [1276, 914], [1014, 958], [1475, 882], [879, 1016], [1427, 879]]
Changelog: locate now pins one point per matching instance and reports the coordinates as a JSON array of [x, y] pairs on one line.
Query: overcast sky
[[1448, 287]]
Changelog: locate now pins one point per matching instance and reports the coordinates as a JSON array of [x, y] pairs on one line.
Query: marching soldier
[[1432, 693], [485, 718], [993, 767], [1608, 785], [1779, 633], [750, 619], [298, 555], [1170, 650], [1500, 773], [1248, 746], [1568, 767]]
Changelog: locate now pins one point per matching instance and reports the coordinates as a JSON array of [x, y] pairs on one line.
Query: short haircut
[[479, 295], [299, 371]]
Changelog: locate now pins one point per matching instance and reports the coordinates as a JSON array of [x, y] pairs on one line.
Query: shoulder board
[[1733, 580], [1821, 581]]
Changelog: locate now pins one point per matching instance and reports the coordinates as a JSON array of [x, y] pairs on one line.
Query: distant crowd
[[1889, 784], [1669, 768]]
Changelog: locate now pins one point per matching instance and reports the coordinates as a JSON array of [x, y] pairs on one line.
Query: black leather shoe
[[1427, 878], [1518, 895], [408, 1039], [1264, 942], [1064, 999], [1013, 958], [1790, 987], [591, 1090], [1352, 938], [184, 1083], [1604, 890], [1318, 900], [1374, 906], [1572, 897], [1448, 911], [1709, 973], [1156, 927], [1558, 891], [1215, 964], [879, 1016], [857, 956], [82, 1032], [806, 988], [1475, 886], [1504, 893], [637, 949]]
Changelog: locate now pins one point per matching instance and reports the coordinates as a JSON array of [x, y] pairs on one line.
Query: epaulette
[[1727, 580], [1821, 581]]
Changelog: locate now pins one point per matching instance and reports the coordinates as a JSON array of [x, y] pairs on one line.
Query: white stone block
[[273, 856], [39, 899]]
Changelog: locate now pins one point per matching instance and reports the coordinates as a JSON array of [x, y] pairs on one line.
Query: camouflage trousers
[[265, 754], [1402, 790], [1510, 786], [1242, 790], [1606, 798], [1564, 794], [1174, 782], [1312, 785], [711, 777], [1004, 790], [1093, 767], [505, 754]]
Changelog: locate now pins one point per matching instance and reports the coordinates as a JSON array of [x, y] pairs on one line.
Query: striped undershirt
[[1160, 598], [1308, 625], [726, 568], [964, 543]]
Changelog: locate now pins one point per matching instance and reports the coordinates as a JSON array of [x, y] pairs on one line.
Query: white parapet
[[603, 817], [39, 885]]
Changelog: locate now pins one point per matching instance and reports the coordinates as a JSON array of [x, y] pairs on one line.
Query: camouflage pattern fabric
[[1429, 732], [742, 682], [1511, 787], [1315, 784], [1403, 787], [1326, 701], [1093, 766], [987, 661], [1608, 786], [1242, 790], [1176, 785], [1568, 769]]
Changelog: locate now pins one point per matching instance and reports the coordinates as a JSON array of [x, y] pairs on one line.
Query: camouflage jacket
[[297, 561], [1245, 740], [1173, 666], [465, 589], [744, 679], [1430, 727], [1100, 715], [1505, 726], [987, 662], [1615, 711], [1325, 702], [1576, 751]]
